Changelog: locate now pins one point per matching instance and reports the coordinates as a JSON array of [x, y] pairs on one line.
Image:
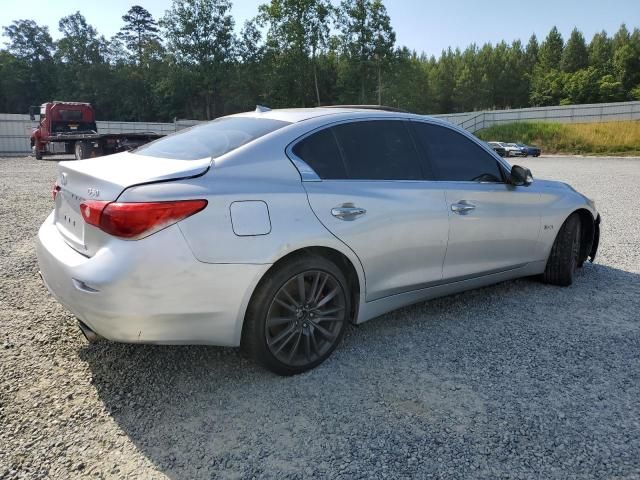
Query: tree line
[[194, 63]]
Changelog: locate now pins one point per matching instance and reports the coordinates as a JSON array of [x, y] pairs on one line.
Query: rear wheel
[[564, 257], [297, 316]]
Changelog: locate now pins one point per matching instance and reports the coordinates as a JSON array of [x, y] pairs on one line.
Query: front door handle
[[462, 207], [347, 212]]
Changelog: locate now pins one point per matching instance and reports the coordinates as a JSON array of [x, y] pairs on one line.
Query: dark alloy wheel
[[305, 318], [297, 316]]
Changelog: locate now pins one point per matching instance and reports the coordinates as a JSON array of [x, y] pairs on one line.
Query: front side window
[[454, 157], [211, 139], [378, 150]]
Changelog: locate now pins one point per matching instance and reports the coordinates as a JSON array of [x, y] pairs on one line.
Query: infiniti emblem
[[63, 178]]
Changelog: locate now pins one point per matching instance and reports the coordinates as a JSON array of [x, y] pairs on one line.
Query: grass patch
[[610, 138]]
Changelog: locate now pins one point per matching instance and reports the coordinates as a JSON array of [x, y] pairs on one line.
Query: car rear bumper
[[148, 291]]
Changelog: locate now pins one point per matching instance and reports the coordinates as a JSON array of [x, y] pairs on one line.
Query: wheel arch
[[340, 259], [590, 233]]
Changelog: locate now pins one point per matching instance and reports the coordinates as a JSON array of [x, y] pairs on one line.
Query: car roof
[[295, 115]]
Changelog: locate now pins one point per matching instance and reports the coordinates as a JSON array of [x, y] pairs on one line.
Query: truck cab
[[57, 121], [70, 128]]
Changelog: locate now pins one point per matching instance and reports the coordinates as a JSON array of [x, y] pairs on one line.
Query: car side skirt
[[379, 307]]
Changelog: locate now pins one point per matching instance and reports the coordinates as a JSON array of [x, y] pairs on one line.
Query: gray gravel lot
[[518, 380]]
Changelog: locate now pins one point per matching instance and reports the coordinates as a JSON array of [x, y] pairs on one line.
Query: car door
[[371, 193], [493, 226]]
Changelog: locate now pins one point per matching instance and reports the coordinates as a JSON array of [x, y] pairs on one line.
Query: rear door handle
[[347, 212], [462, 207]]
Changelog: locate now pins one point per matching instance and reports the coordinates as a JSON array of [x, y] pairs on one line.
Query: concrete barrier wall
[[597, 112], [15, 129]]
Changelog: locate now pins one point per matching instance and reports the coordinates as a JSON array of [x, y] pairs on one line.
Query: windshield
[[211, 139]]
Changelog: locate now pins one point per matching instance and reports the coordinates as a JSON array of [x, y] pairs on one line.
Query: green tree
[[601, 52], [199, 35], [581, 86], [80, 43], [139, 31], [550, 55], [531, 53], [626, 60], [610, 89], [547, 88], [575, 55], [298, 30], [28, 68], [368, 41]]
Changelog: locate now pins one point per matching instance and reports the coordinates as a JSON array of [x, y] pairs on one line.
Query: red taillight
[[137, 220], [54, 190]]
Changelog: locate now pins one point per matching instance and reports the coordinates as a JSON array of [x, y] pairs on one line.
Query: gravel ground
[[518, 380]]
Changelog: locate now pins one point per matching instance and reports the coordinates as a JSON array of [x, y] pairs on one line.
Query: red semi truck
[[70, 128]]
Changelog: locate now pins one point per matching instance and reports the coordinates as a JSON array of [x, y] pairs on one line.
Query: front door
[[493, 226]]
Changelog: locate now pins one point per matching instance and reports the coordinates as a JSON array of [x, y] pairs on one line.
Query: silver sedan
[[271, 230]]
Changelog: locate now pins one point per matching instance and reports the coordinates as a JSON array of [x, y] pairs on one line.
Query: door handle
[[462, 207], [347, 212]]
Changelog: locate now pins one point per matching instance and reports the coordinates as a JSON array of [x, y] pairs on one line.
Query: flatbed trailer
[[70, 128]]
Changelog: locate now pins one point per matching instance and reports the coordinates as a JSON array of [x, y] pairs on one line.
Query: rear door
[[371, 193], [494, 226]]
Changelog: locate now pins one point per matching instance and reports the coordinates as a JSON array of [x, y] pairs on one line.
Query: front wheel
[[82, 150], [564, 257], [297, 316]]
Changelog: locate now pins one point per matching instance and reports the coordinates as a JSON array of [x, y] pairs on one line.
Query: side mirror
[[32, 113], [520, 176]]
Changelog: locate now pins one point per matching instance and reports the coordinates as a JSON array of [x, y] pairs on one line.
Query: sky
[[425, 26]]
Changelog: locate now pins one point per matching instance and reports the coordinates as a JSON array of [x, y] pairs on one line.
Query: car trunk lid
[[105, 178]]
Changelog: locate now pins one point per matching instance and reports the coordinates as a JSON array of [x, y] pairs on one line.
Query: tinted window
[[320, 152], [211, 139], [70, 115], [454, 157], [378, 150]]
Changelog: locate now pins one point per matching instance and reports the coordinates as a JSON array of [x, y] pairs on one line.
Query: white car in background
[[513, 150]]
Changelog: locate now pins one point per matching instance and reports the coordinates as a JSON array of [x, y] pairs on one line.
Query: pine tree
[[140, 30], [550, 55], [575, 55]]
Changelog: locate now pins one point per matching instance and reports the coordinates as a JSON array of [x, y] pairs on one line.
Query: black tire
[[82, 150], [565, 253], [267, 318]]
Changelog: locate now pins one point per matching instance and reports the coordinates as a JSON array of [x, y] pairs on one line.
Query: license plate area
[[68, 219]]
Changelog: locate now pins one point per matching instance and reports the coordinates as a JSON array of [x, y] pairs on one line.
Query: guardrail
[[597, 112]]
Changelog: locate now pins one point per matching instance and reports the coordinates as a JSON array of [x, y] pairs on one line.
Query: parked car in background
[[529, 150], [498, 148], [259, 229], [514, 150], [511, 151]]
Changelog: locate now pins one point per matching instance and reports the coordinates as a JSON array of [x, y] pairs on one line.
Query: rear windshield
[[211, 139]]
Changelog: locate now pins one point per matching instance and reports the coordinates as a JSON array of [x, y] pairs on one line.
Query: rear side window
[[453, 157], [378, 150], [211, 139], [320, 152]]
